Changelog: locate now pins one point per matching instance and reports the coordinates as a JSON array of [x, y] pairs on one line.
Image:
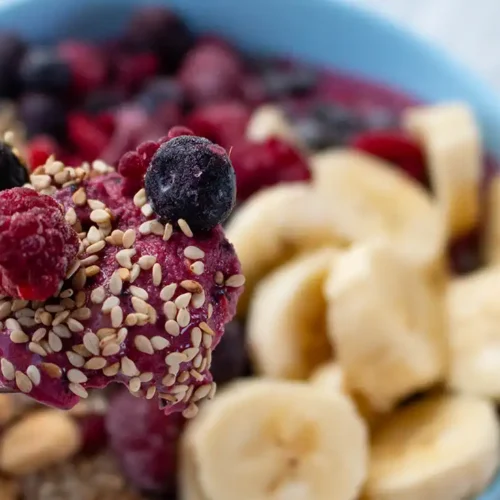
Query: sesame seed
[[19, 337], [110, 349], [131, 319], [124, 274], [134, 273], [27, 322], [157, 228], [19, 305], [210, 310], [55, 342], [67, 303], [167, 233], [194, 253], [219, 278], [235, 280], [170, 310], [79, 197], [96, 363], [100, 216], [116, 238], [139, 292], [168, 397], [147, 210], [39, 334], [191, 353], [183, 317], [146, 262], [13, 324], [168, 380], [92, 271], [142, 319], [139, 305], [123, 257], [198, 299], [140, 198], [175, 358], [80, 298], [5, 309], [191, 286], [94, 235], [60, 317], [46, 318], [134, 384], [95, 204], [79, 279], [66, 294], [7, 368], [180, 388], [79, 390], [182, 301], [172, 327], [167, 292], [89, 260], [70, 216], [146, 377], [128, 367], [73, 268], [95, 247], [115, 283], [159, 343], [109, 303], [196, 375], [157, 274], [121, 335], [116, 316], [153, 316], [75, 359], [173, 369], [81, 350], [150, 393], [40, 181], [23, 382], [207, 340], [196, 336], [105, 332], [191, 411], [197, 268], [51, 369], [183, 377], [76, 376], [184, 227], [91, 343], [145, 228], [82, 313], [143, 344], [111, 370], [197, 361], [206, 328], [62, 331], [202, 392], [74, 325], [129, 238]]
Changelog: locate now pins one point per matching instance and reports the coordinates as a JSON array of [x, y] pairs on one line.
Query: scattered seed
[[167, 292], [70, 216], [236, 280], [73, 268], [134, 384], [147, 210], [89, 260], [76, 376], [129, 238], [182, 301], [19, 337], [75, 359], [179, 389], [210, 310], [172, 327], [79, 390], [170, 310], [206, 328], [191, 411], [66, 294], [110, 349], [51, 369], [145, 228], [62, 331], [80, 298], [140, 198], [5, 309], [94, 235], [81, 314], [7, 368], [191, 286], [196, 375], [159, 343], [116, 237], [183, 377], [100, 216], [79, 279], [95, 247], [123, 257], [183, 317], [197, 268], [39, 334], [198, 299], [92, 271], [184, 226], [153, 316], [191, 353], [128, 367], [134, 273], [139, 305], [95, 204], [23, 382], [27, 322], [81, 350], [79, 197], [196, 336], [202, 392], [175, 358], [115, 284], [111, 370], [146, 262], [193, 253], [96, 363], [124, 274], [142, 319], [139, 292], [157, 274], [74, 325], [116, 316], [167, 233], [55, 343], [207, 340], [131, 319], [12, 324], [37, 349], [143, 344], [150, 393], [91, 343], [219, 278], [157, 228]]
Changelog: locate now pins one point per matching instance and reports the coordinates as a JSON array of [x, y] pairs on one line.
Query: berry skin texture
[[37, 245], [145, 441], [177, 131], [12, 172], [191, 178]]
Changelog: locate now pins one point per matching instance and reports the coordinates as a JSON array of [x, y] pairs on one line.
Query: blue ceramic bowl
[[326, 32]]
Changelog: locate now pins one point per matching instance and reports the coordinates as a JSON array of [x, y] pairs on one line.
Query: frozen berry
[[260, 164], [281, 82], [191, 178], [211, 71], [159, 30], [93, 432], [42, 115], [40, 149], [397, 148], [177, 131], [222, 123], [85, 136], [37, 245], [103, 99], [132, 70], [159, 91], [12, 50], [12, 171], [229, 360], [145, 441], [43, 70]]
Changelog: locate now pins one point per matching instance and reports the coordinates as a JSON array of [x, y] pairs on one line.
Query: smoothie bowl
[[292, 202]]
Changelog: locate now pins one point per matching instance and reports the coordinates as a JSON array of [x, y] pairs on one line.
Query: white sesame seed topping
[[168, 380], [146, 262], [70, 216], [123, 257], [110, 349], [62, 331], [66, 294], [194, 253], [159, 343], [146, 377], [13, 324], [129, 238], [157, 228], [94, 235], [96, 363], [124, 274], [81, 314], [55, 343], [150, 393], [95, 247], [23, 382], [112, 370], [5, 309], [140, 198], [180, 388], [131, 319], [134, 273], [219, 278], [115, 283], [139, 292], [92, 271], [183, 317], [167, 292], [145, 228], [100, 216], [191, 353], [75, 359], [121, 335], [39, 334], [184, 227], [206, 328], [175, 358], [79, 197], [37, 349], [76, 376], [196, 336], [198, 299], [140, 305], [7, 368], [95, 204], [91, 342], [143, 344], [34, 374], [183, 377], [134, 384], [182, 301], [75, 265], [40, 181], [157, 274], [191, 286], [74, 325], [18, 337], [191, 411], [167, 233], [116, 316], [170, 310], [128, 367], [147, 210], [79, 390], [207, 340], [116, 238], [202, 392], [91, 259], [197, 268], [235, 280], [172, 327], [196, 375]]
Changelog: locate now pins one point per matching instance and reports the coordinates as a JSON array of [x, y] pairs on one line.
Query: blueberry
[[12, 50], [42, 70], [12, 172], [159, 91], [295, 81], [42, 115], [193, 179]]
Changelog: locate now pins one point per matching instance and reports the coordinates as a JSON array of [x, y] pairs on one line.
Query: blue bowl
[[325, 32]]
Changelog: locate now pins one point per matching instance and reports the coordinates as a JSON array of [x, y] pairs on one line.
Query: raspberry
[[145, 441], [211, 71], [222, 123], [36, 244], [260, 164], [88, 139], [93, 432], [39, 150], [135, 69], [397, 148], [176, 131]]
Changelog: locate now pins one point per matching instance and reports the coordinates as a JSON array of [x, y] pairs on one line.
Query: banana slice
[[188, 485], [273, 226], [492, 230], [442, 448], [286, 324], [370, 198], [277, 440], [271, 121], [386, 324], [329, 377], [474, 325], [450, 136]]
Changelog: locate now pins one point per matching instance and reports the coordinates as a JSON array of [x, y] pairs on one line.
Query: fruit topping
[[13, 173]]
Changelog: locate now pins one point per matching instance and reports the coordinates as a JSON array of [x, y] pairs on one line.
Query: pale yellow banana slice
[[370, 198], [275, 224], [286, 323], [271, 121], [492, 230], [474, 323], [451, 139], [442, 448], [278, 440], [188, 486], [386, 323], [329, 377]]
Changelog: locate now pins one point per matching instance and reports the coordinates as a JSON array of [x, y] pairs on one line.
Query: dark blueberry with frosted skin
[[12, 172], [158, 92], [12, 50], [193, 179], [42, 115]]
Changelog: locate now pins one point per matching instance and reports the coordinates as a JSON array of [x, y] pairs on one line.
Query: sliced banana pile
[[377, 371]]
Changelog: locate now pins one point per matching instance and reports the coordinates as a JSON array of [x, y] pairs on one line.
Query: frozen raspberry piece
[[12, 171], [191, 178], [37, 246], [177, 131], [145, 441], [260, 164], [88, 139], [40, 148], [211, 71], [135, 69], [397, 148], [222, 123], [93, 432]]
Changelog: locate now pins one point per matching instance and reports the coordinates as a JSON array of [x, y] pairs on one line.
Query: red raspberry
[[106, 122], [176, 131], [145, 441], [39, 150], [86, 136], [260, 164], [397, 148], [135, 69], [37, 245], [211, 71], [222, 123], [93, 432]]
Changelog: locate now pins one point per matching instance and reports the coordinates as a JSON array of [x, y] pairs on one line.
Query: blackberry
[[12, 172]]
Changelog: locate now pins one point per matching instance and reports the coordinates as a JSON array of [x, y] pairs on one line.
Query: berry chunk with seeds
[[13, 173], [191, 178], [37, 245]]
